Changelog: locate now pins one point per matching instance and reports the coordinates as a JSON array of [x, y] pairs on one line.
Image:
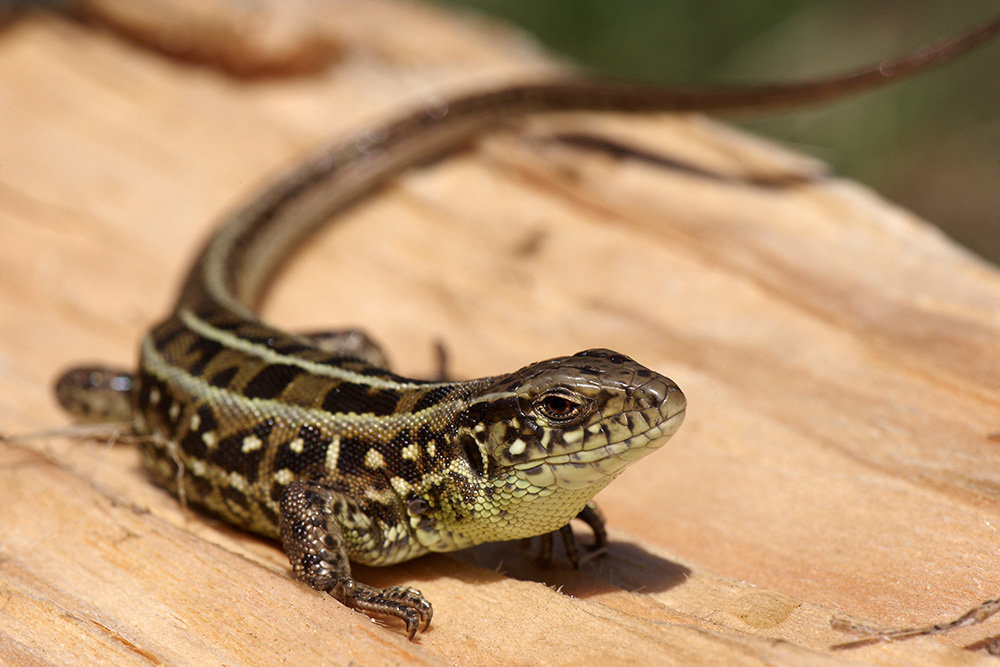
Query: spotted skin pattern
[[360, 465]]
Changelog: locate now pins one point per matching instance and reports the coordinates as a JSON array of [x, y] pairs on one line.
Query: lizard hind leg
[[356, 344], [350, 344], [96, 394], [314, 543]]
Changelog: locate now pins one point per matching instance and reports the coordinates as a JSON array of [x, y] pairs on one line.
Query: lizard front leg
[[590, 515], [314, 543]]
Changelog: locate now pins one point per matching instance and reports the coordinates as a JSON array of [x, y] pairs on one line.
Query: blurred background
[[931, 144]]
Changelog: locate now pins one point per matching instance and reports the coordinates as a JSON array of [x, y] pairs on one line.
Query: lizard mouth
[[608, 446]]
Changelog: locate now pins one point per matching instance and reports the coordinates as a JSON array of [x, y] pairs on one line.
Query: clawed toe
[[402, 602]]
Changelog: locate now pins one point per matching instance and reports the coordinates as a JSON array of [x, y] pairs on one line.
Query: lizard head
[[572, 421], [543, 440]]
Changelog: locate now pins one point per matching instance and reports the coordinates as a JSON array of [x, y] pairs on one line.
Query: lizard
[[312, 440]]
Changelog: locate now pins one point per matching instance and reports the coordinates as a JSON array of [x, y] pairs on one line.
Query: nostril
[[654, 393], [676, 401]]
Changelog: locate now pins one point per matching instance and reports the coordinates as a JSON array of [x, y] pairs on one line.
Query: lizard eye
[[559, 406]]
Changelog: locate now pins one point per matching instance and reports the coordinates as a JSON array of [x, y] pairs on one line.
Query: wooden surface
[[839, 358]]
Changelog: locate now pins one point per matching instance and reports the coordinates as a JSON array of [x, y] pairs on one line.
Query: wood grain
[[837, 354]]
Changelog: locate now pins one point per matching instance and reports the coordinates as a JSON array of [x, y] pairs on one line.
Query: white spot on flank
[[297, 445], [284, 476], [208, 437], [154, 396], [251, 443], [238, 481], [431, 449], [400, 485], [411, 452], [175, 411], [195, 421], [332, 453], [374, 459]]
